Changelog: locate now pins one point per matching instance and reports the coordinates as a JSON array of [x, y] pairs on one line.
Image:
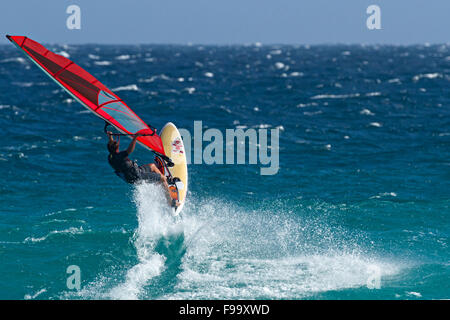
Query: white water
[[235, 253], [154, 222]]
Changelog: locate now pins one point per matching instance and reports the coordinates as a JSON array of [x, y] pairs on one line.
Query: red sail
[[90, 92]]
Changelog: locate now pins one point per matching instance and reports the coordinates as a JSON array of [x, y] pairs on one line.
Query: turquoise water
[[362, 189]]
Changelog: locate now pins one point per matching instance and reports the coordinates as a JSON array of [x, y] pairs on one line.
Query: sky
[[228, 21]]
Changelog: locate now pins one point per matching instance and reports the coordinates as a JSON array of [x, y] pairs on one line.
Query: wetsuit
[[129, 170]]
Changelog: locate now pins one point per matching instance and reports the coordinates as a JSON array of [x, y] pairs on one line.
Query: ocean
[[359, 208]]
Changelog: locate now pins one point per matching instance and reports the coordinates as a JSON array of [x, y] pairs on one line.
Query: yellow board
[[174, 149]]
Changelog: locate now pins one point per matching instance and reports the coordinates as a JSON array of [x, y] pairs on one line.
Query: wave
[[35, 295], [233, 253], [69, 231], [123, 57], [130, 87], [153, 78], [23, 84], [304, 105], [279, 65], [154, 223], [190, 90], [156, 227], [287, 278], [427, 76], [103, 63], [344, 96], [218, 250], [366, 112], [64, 54], [15, 59]]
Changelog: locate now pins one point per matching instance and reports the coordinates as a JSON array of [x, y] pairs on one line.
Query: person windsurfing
[[131, 172]]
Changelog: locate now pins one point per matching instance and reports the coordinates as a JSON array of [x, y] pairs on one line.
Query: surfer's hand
[[110, 136]]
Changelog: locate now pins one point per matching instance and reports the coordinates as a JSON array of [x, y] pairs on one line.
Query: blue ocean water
[[362, 192]]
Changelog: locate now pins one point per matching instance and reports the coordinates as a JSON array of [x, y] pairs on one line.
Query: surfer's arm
[[132, 145], [154, 168], [110, 137]]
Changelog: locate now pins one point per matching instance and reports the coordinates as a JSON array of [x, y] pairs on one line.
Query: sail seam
[[62, 69], [107, 102]]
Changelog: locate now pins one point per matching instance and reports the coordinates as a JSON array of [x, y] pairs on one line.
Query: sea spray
[[220, 250], [280, 252], [154, 223]]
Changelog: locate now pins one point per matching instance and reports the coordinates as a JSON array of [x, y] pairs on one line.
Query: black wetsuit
[[129, 170]]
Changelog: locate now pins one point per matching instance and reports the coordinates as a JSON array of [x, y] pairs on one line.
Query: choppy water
[[363, 184]]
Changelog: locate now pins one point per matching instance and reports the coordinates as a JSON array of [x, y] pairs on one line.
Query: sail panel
[[90, 92]]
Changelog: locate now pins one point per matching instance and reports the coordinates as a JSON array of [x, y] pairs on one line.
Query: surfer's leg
[[145, 173], [154, 168], [172, 195], [154, 175]]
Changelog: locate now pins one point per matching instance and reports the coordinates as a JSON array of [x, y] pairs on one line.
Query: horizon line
[[245, 44]]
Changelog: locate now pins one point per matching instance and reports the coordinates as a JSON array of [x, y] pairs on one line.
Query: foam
[[427, 76], [35, 295], [130, 87], [103, 63], [367, 112], [286, 278], [154, 223], [70, 231], [237, 254], [277, 251], [123, 57]]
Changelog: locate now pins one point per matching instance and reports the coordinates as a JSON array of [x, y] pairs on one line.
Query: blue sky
[[228, 21]]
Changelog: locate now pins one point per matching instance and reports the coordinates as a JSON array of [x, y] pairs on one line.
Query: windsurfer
[[132, 173]]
